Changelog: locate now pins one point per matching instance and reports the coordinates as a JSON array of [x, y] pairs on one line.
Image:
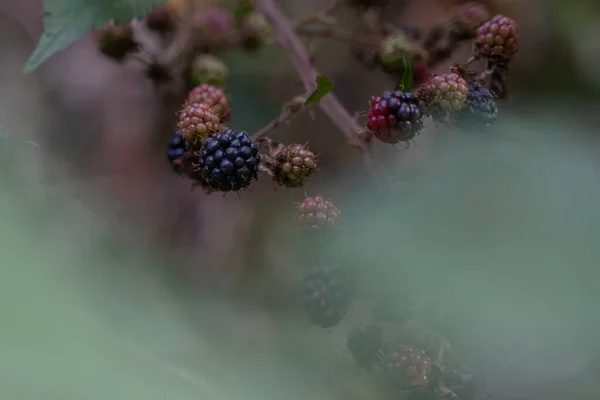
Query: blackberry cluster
[[395, 117], [497, 40], [317, 214], [293, 164], [214, 97], [229, 161], [364, 344], [328, 293], [407, 366], [197, 121], [480, 110]]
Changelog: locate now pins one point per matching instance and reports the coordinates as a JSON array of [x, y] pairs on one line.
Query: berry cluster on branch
[[181, 51]]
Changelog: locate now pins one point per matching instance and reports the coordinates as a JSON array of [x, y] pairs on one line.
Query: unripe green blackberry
[[293, 164], [210, 69], [470, 16], [444, 95], [364, 344], [407, 366], [328, 293], [216, 29], [395, 48], [116, 41], [197, 121], [497, 40], [317, 214], [255, 30], [214, 97]]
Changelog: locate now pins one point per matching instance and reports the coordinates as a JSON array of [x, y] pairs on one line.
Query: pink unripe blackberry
[[407, 366], [470, 16], [317, 214], [214, 97], [197, 121], [293, 164], [497, 40]]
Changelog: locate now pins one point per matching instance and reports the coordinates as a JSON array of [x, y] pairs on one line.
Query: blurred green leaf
[[405, 83], [324, 86], [66, 21]]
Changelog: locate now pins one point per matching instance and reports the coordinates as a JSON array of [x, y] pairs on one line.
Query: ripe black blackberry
[[395, 117], [364, 344], [480, 109], [328, 292], [176, 151], [229, 161]]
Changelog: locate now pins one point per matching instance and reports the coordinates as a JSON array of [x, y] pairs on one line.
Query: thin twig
[[318, 16], [286, 115]]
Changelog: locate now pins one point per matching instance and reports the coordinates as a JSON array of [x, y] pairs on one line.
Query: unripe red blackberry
[[213, 97], [444, 95], [481, 109], [293, 164], [470, 16], [317, 214], [116, 41], [407, 366], [255, 30], [395, 48], [364, 344], [197, 121], [207, 68], [497, 40], [328, 293], [395, 117], [216, 30], [160, 20]]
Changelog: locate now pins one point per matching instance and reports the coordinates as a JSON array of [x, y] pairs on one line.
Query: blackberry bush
[[179, 47], [229, 161]]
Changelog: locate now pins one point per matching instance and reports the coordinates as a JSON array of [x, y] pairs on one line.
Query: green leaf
[[324, 86], [405, 83], [66, 21], [5, 137]]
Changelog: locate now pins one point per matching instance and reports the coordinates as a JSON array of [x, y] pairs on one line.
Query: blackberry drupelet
[[395, 117], [328, 293], [364, 344], [229, 161], [480, 110]]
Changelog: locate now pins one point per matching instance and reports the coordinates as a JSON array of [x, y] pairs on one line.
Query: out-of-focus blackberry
[[480, 110], [395, 48], [229, 161], [407, 366], [207, 68], [317, 214], [116, 41], [470, 16], [293, 164], [328, 293], [216, 29], [364, 344], [197, 121], [255, 30], [444, 95], [395, 117], [176, 151], [214, 97], [497, 40], [160, 20]]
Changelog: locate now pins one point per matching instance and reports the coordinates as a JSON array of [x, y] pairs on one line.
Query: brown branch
[[300, 58], [291, 110]]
